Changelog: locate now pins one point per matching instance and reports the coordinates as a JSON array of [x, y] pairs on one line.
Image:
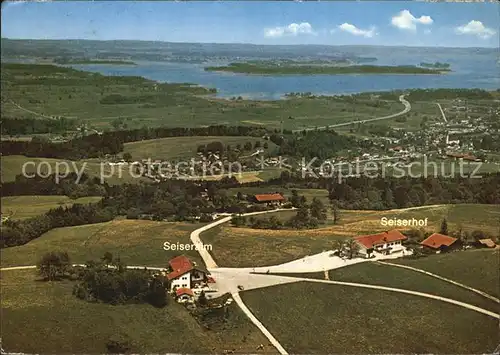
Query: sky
[[407, 23]]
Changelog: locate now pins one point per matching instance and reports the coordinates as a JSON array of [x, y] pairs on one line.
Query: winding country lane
[[394, 115]]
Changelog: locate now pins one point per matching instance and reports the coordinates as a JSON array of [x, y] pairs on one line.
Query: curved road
[[235, 276], [401, 99], [230, 278]]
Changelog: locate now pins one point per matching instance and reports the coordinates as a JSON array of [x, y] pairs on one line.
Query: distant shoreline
[[253, 69], [96, 61]]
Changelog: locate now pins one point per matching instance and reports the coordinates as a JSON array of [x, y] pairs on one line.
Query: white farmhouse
[[184, 274], [387, 242]]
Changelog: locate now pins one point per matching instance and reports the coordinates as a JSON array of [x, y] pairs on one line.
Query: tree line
[[18, 126], [177, 200], [37, 185], [388, 192], [98, 145]]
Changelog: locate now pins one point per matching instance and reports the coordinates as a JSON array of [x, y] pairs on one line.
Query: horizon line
[[241, 43]]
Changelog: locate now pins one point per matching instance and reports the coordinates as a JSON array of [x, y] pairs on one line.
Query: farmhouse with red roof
[[184, 295], [269, 199], [440, 242], [386, 242], [184, 274]]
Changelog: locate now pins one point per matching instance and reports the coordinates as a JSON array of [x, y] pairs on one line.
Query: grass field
[[135, 242], [32, 91], [12, 165], [21, 207], [478, 268], [184, 147], [245, 247], [317, 318], [384, 275], [34, 310], [468, 217], [242, 247]]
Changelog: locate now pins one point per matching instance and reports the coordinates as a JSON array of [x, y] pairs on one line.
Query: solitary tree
[[352, 247], [53, 265], [302, 201], [202, 300], [107, 258], [127, 156], [294, 200], [318, 210], [444, 227], [248, 146], [157, 295], [335, 212], [337, 246]]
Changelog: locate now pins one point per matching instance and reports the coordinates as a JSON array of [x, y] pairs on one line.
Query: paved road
[[442, 112], [401, 99], [244, 308], [195, 236]]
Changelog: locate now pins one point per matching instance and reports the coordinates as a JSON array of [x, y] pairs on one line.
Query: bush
[[133, 213], [54, 265], [109, 281], [118, 345], [205, 218]]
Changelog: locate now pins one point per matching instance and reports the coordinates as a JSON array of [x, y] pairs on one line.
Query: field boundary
[[479, 292], [409, 292], [257, 323]]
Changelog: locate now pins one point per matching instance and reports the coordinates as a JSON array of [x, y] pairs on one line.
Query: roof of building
[[180, 265], [210, 280], [437, 240], [269, 197], [369, 241], [456, 155], [184, 291], [488, 242]]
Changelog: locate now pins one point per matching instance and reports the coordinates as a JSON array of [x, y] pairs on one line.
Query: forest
[[98, 145]]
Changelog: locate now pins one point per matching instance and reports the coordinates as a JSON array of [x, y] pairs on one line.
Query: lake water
[[470, 69]]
